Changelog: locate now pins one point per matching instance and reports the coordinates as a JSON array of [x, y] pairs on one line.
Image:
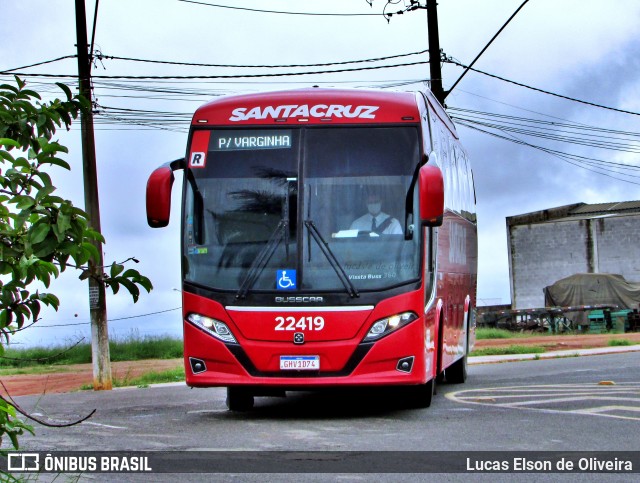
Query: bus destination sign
[[250, 140]]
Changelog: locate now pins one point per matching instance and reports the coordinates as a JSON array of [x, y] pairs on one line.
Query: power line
[[283, 12], [414, 5], [563, 156], [520, 108], [357, 69], [284, 66], [593, 104], [230, 76], [113, 320], [39, 63], [486, 47], [565, 124], [487, 123], [567, 133]]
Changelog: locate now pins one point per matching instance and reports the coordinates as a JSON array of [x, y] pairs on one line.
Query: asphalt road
[[544, 405]]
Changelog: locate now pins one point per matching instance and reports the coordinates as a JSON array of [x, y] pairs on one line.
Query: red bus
[[328, 239]]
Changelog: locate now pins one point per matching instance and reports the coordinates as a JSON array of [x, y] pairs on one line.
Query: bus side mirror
[[431, 186], [159, 197]]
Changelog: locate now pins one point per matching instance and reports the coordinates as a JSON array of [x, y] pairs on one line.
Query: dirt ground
[[73, 377], [561, 342]]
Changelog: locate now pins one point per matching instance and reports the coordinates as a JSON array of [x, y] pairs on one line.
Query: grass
[[493, 333], [130, 348], [619, 342], [171, 375], [512, 349], [20, 371]]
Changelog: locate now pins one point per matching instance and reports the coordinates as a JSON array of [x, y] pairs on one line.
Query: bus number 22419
[[303, 323]]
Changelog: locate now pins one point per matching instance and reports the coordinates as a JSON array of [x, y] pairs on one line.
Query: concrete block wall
[[618, 246], [542, 253]]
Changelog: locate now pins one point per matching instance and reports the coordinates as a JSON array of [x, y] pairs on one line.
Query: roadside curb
[[552, 354]]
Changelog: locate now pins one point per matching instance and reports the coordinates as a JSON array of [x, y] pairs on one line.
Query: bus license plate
[[299, 363]]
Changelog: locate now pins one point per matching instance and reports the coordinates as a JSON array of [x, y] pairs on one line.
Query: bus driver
[[375, 221]]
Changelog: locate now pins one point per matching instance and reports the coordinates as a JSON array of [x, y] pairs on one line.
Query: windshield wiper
[[263, 258], [333, 261]]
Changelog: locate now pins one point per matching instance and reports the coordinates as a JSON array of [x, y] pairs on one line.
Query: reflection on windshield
[[354, 188]]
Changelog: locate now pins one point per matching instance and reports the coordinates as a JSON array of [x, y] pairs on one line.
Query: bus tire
[[422, 394], [239, 399], [456, 373]]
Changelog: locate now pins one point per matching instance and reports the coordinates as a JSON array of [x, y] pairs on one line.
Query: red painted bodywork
[[378, 367], [159, 197]]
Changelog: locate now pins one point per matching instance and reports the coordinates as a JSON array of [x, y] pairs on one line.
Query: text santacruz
[[303, 111]]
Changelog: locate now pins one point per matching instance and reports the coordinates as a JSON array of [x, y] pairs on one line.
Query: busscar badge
[[298, 338]]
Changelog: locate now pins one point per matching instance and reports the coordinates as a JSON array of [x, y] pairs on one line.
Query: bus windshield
[[304, 210]]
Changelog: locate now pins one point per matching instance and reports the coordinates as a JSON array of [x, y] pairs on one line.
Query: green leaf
[[146, 283], [14, 439], [20, 83], [131, 273], [94, 235], [91, 249], [57, 162], [24, 202], [66, 90], [63, 223], [46, 179], [46, 247], [131, 287], [29, 93], [9, 142], [50, 300], [116, 269], [5, 155], [44, 191], [58, 234], [22, 163], [39, 232]]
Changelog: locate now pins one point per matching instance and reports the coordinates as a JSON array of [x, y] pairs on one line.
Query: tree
[[41, 234]]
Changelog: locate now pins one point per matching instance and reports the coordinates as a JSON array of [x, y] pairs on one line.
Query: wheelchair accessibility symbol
[[286, 280]]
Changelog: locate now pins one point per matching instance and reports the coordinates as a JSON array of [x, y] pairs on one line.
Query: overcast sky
[[582, 49]]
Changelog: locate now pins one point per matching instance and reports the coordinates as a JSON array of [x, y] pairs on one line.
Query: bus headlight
[[212, 326], [387, 325]]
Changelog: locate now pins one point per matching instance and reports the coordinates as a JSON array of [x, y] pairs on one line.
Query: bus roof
[[311, 106]]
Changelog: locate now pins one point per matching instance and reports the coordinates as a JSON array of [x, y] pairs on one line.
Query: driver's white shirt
[[364, 224]]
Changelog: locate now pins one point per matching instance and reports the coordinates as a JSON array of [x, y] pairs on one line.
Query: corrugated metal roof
[[607, 208], [576, 211]]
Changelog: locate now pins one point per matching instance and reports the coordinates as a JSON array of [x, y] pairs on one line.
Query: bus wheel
[[239, 399], [456, 373], [422, 395]]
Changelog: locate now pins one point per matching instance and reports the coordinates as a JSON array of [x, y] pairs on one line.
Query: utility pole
[[434, 51], [97, 300]]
